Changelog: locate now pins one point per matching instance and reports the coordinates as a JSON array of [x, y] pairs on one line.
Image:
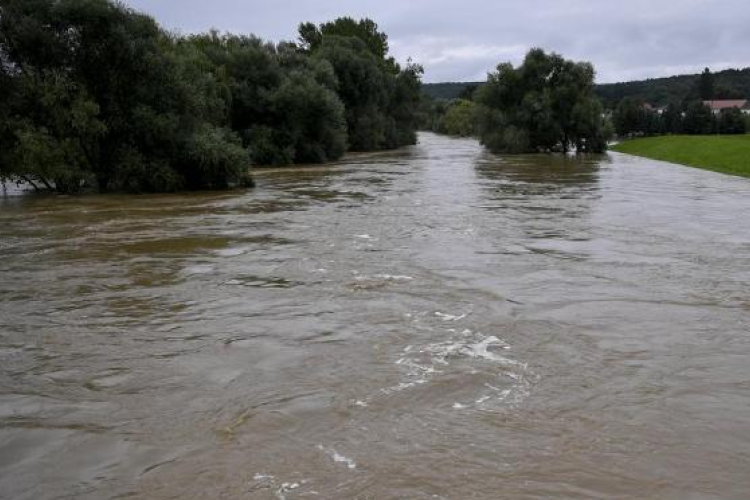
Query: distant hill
[[447, 90], [731, 83], [728, 84]]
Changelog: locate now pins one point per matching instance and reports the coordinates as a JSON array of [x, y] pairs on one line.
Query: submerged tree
[[96, 94], [282, 104], [380, 97], [99, 95], [546, 104]]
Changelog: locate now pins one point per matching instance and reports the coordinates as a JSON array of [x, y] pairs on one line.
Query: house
[[650, 107], [717, 106]]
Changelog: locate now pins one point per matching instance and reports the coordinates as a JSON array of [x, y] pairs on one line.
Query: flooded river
[[432, 323]]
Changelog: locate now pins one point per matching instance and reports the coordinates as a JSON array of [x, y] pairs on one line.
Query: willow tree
[[282, 103], [546, 104], [96, 93], [381, 97]]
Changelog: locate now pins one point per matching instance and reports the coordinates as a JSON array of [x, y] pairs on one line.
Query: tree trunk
[[26, 179], [46, 184]]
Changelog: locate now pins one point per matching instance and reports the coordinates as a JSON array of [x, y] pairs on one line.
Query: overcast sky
[[463, 40]]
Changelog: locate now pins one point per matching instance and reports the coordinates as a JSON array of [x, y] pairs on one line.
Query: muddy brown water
[[431, 323]]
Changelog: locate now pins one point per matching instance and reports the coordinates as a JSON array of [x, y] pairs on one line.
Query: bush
[[458, 119]]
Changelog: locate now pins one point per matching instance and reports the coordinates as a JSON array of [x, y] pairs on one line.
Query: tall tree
[[381, 98], [672, 118], [312, 36], [546, 104], [706, 85], [101, 96], [95, 93], [698, 119]]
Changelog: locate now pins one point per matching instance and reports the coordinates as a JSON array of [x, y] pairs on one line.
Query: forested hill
[[729, 84], [446, 90]]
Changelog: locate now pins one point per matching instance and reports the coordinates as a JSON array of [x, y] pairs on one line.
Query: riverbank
[[728, 154]]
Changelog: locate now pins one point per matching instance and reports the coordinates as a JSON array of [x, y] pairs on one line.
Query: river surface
[[431, 323]]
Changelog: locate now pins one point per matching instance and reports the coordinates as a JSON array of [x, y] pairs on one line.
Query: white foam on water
[[230, 252], [450, 317], [423, 364], [518, 393], [481, 350], [394, 277], [338, 457], [441, 352], [364, 237], [199, 269], [268, 481], [403, 385], [386, 277]]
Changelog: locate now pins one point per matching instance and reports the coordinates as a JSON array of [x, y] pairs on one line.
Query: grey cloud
[[463, 40]]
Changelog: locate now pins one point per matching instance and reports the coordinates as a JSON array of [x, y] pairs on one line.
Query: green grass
[[728, 154]]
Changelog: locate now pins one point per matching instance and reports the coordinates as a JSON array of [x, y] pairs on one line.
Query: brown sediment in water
[[434, 322]]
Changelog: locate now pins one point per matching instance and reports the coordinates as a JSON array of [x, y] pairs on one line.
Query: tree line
[[545, 104], [682, 89], [95, 94], [636, 117]]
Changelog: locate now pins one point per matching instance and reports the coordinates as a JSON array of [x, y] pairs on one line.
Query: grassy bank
[[729, 154]]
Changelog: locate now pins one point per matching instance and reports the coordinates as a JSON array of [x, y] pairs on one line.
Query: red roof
[[726, 104]]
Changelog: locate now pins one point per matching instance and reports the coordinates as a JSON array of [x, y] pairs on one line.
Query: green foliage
[[449, 90], [381, 99], [283, 103], [672, 119], [366, 30], [706, 85], [546, 104], [457, 118], [632, 117], [731, 121], [216, 156], [468, 92], [99, 95], [727, 84], [727, 154], [698, 119]]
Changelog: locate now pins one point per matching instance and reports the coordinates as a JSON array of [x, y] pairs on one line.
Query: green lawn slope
[[728, 154]]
